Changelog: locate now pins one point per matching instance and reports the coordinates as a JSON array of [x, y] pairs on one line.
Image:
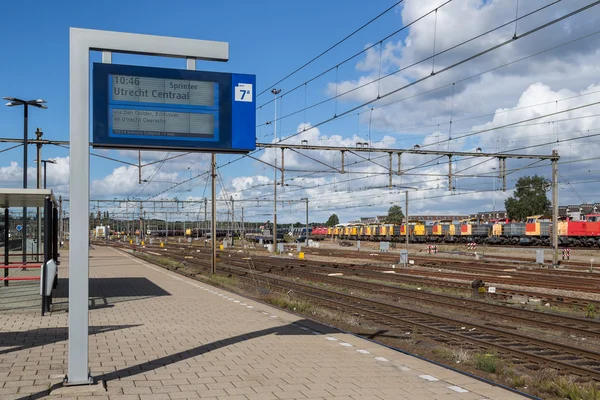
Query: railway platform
[[157, 335]]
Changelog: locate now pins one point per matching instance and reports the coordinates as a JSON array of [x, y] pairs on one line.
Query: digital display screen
[[180, 108], [160, 108]]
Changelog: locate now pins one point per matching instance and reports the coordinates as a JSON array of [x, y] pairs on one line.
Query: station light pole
[[275, 93], [39, 103]]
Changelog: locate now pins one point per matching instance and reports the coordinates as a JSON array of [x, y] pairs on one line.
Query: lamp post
[[45, 166], [275, 93], [39, 103]]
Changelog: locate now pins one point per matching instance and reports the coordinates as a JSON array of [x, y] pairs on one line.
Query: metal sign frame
[[234, 124], [82, 41]]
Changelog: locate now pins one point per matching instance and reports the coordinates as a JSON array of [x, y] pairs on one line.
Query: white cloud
[[57, 174], [420, 115]]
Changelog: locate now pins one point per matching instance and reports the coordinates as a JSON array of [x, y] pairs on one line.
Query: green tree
[[298, 225], [529, 198], [333, 220], [395, 215]]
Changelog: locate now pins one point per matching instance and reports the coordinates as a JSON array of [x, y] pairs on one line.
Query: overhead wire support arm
[[410, 151], [317, 161], [264, 162]]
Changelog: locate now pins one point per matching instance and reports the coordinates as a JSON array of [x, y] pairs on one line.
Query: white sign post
[[82, 41]]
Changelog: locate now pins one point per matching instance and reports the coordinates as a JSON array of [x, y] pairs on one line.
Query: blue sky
[[272, 38], [267, 38]]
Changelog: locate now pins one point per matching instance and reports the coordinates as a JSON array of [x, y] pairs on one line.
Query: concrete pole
[[205, 223], [555, 208]]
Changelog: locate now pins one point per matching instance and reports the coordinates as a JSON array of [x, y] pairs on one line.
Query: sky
[[543, 85]]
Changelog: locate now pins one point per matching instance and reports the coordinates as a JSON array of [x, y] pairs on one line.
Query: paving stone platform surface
[[157, 335]]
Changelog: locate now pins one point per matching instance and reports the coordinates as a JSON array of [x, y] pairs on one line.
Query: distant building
[[381, 219], [577, 212], [489, 215], [572, 211]]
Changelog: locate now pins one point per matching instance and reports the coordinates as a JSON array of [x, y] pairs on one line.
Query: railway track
[[525, 349], [495, 259], [579, 326], [405, 276]]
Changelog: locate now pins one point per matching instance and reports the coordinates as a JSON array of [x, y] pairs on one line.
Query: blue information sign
[[158, 108], [19, 227]]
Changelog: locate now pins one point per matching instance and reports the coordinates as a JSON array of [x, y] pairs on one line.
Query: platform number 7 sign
[[243, 92]]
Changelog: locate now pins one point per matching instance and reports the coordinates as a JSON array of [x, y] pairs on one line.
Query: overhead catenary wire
[[454, 65], [569, 42], [376, 107], [428, 58], [331, 47]]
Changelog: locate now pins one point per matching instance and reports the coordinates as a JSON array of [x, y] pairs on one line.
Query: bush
[[591, 311], [488, 362]]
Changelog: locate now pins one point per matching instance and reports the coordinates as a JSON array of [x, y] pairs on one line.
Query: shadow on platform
[[23, 340], [290, 329], [105, 292]]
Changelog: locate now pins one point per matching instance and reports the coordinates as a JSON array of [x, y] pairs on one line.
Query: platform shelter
[[46, 272]]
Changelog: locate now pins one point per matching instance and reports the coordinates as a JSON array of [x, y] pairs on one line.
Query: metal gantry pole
[[25, 145], [141, 222], [555, 208], [306, 239], [213, 217], [275, 210], [205, 222], [38, 235], [406, 219]]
